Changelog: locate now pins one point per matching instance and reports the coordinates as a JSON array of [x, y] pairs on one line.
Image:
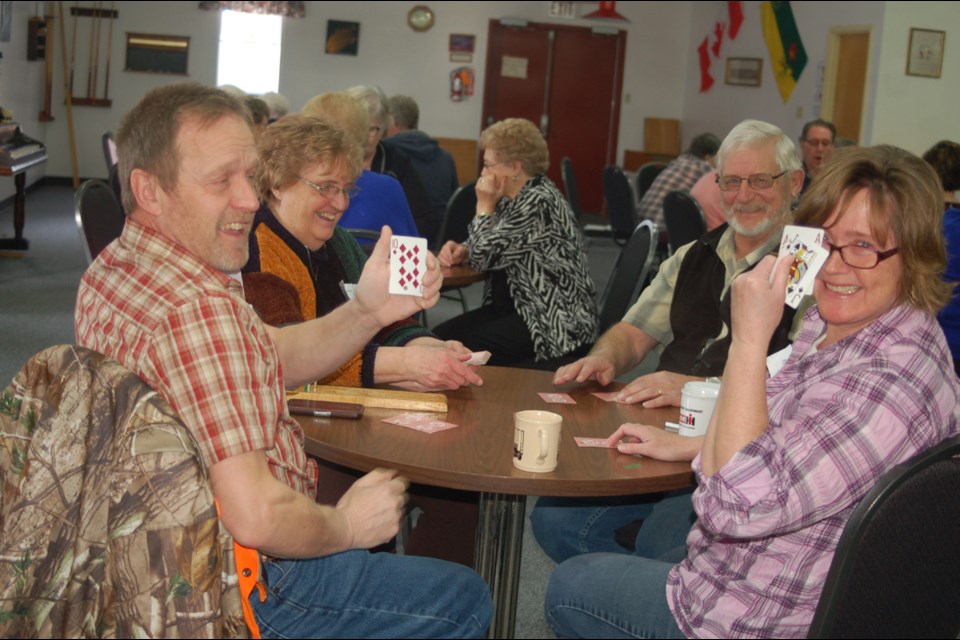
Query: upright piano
[[18, 153]]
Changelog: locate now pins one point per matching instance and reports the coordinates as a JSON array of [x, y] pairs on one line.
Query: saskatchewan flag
[[787, 57]]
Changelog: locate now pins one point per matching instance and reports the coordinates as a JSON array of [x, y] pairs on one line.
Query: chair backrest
[[366, 238], [629, 275], [621, 207], [570, 186], [99, 216], [646, 174], [460, 211], [109, 150], [896, 571], [107, 519], [684, 219]]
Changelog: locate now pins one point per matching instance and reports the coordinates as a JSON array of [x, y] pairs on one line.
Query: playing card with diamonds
[[408, 264], [805, 244]]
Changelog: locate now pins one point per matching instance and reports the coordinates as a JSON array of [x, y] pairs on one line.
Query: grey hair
[[751, 133], [376, 102]]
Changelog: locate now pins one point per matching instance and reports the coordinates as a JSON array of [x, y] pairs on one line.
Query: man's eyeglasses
[[330, 190], [757, 181], [860, 256]]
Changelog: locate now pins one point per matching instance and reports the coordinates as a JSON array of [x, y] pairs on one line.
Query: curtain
[[285, 9]]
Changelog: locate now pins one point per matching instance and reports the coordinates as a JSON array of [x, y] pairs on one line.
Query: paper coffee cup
[[536, 440], [697, 400]]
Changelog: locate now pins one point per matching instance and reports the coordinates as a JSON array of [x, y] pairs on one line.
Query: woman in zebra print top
[[539, 302]]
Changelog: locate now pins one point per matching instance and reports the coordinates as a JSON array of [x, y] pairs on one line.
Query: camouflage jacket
[[108, 526]]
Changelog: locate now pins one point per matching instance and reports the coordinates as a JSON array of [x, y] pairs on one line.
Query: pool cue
[[106, 79]]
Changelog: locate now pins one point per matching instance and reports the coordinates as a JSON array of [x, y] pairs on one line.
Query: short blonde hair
[[518, 140], [343, 111], [905, 200], [297, 141]]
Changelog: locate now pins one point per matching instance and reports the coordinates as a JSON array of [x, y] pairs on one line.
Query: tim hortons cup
[[536, 440], [697, 400]]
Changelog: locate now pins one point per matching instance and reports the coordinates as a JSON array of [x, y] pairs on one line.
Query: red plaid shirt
[[185, 328]]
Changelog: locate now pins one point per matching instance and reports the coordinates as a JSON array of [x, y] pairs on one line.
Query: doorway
[[566, 80], [845, 82]]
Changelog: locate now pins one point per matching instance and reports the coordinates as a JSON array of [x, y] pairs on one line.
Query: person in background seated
[[944, 157], [278, 104], [160, 300], [816, 146], [680, 175], [788, 457], [708, 196], [306, 177], [686, 313], [538, 302], [433, 164], [260, 114], [392, 161], [379, 199]]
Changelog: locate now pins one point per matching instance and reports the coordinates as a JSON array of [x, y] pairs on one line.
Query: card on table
[[408, 265], [805, 244], [594, 442], [607, 396], [478, 358], [420, 422], [557, 398]]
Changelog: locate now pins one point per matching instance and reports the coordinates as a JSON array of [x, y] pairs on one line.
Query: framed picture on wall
[[925, 53], [744, 71]]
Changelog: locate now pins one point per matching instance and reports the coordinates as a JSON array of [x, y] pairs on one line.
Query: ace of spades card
[[805, 244], [408, 264]]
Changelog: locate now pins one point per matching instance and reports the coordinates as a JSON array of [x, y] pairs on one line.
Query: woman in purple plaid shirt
[[787, 457]]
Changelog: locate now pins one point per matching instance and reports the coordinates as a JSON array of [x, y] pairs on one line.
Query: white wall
[[661, 76], [390, 54], [916, 112], [723, 106]]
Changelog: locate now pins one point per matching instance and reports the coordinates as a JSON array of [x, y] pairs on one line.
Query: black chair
[[456, 223], [646, 174], [369, 238], [630, 275], [99, 216], [684, 219], [573, 197], [109, 149], [896, 571], [621, 207]]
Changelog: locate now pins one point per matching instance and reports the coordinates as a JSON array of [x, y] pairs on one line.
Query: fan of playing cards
[[805, 244]]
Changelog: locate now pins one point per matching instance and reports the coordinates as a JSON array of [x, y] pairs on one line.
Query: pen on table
[[317, 413]]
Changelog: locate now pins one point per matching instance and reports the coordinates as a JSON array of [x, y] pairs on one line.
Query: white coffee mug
[[536, 440], [697, 400]]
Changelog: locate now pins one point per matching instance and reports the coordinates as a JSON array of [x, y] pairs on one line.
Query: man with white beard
[[685, 312]]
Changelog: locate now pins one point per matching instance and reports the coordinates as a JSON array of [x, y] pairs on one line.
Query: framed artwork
[[925, 53], [744, 71], [153, 53], [343, 38]]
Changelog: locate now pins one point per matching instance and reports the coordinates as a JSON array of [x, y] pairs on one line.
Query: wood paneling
[[465, 156]]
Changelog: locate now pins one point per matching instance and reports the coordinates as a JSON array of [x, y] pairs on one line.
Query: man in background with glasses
[[684, 314], [816, 147]]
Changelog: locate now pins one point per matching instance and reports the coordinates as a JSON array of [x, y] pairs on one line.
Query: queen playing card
[[408, 264], [805, 244]]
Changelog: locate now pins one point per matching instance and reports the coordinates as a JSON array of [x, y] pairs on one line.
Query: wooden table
[[461, 275], [477, 456]]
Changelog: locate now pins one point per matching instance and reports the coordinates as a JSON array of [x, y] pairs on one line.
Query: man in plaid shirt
[[681, 174], [160, 300]]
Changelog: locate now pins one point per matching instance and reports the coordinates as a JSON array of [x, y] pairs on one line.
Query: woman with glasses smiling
[[306, 180], [788, 455]]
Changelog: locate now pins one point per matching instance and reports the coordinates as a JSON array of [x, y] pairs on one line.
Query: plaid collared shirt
[[680, 175], [186, 330], [770, 519]]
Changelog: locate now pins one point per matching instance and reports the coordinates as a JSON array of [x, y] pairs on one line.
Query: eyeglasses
[[860, 256], [375, 130], [757, 181], [818, 143], [330, 190]]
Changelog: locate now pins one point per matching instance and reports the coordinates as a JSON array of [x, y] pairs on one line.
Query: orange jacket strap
[[248, 574]]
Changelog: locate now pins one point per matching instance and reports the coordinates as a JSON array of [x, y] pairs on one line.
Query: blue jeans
[[607, 595], [358, 594], [567, 527]]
